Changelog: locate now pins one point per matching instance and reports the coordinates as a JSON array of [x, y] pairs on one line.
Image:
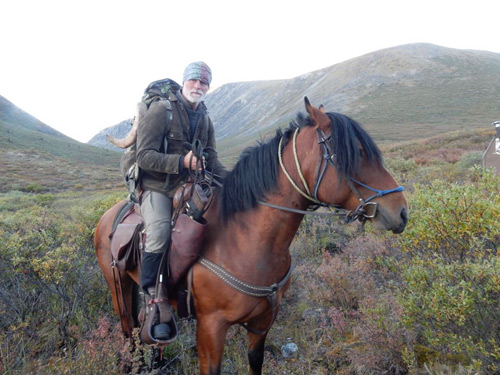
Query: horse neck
[[255, 244], [282, 225]]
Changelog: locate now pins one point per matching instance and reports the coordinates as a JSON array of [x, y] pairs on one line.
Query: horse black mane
[[256, 172]]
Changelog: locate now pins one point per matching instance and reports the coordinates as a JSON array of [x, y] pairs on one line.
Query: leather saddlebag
[[187, 239], [125, 246]]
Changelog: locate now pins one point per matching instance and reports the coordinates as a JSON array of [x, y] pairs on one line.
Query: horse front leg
[[256, 344], [210, 339]]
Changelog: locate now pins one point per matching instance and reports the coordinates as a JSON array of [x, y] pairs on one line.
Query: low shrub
[[34, 188], [455, 222], [50, 280], [453, 309], [449, 284]]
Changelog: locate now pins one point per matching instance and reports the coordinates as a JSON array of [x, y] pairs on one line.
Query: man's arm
[[150, 139]]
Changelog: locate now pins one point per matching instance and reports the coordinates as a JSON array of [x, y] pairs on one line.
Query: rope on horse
[[306, 194]]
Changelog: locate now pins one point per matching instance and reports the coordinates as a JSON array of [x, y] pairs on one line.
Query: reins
[[305, 193]]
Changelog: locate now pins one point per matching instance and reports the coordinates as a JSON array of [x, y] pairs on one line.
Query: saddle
[[190, 203]]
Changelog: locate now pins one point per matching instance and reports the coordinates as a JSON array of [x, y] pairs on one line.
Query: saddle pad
[[125, 210]]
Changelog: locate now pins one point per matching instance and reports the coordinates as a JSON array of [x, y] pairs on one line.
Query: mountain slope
[[11, 114], [410, 91], [34, 157], [118, 131], [20, 130], [406, 92]]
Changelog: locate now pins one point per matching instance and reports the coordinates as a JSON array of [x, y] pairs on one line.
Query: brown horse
[[324, 159]]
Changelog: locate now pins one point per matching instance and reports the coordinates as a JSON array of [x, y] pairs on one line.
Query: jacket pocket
[[174, 141]]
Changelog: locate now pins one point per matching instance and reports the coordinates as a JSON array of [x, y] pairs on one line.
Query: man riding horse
[[166, 161], [322, 159]]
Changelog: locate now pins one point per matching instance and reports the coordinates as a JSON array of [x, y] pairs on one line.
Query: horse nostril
[[404, 220], [404, 215]]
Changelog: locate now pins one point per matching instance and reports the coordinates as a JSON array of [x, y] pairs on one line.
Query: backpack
[[157, 90]]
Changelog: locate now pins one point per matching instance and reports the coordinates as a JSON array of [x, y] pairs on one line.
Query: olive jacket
[[161, 143]]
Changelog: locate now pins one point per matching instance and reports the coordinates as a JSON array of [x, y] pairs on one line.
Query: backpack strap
[[206, 120], [170, 116]]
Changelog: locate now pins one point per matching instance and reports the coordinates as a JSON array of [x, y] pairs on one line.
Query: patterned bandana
[[198, 70]]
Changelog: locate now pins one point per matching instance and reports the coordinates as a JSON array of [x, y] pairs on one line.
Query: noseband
[[367, 209]]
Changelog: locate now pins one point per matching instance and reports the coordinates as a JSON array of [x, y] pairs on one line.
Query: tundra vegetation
[[361, 302]]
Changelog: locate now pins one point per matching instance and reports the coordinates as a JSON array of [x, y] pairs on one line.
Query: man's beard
[[195, 99]]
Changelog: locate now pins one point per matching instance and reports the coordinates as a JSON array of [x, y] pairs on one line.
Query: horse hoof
[[161, 331]]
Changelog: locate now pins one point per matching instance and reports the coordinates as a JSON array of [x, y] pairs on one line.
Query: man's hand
[[191, 162]]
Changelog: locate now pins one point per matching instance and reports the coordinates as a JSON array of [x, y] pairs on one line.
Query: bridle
[[367, 209]]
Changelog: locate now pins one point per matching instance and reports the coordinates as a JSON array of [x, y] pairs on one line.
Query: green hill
[[35, 157]]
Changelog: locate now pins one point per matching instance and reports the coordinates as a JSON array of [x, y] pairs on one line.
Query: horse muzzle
[[394, 221]]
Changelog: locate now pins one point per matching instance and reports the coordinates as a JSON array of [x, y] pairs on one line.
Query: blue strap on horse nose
[[379, 192]]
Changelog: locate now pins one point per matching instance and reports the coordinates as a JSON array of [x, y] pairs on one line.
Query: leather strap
[[241, 286], [270, 292], [120, 299], [157, 300]]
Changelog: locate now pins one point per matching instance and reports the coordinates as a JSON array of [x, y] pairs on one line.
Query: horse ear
[[307, 104], [322, 108], [318, 116]]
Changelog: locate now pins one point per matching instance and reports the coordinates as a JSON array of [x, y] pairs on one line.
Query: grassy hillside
[[17, 137], [459, 92], [34, 161], [11, 114]]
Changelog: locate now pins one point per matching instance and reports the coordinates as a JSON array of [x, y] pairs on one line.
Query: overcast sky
[[81, 66]]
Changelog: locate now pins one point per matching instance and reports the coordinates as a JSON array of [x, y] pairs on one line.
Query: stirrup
[[164, 310], [153, 329], [161, 331]]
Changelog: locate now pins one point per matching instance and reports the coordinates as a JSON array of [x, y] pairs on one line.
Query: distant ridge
[[12, 114], [118, 131], [411, 91]]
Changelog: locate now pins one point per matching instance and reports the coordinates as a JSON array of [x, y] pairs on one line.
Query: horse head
[[349, 171]]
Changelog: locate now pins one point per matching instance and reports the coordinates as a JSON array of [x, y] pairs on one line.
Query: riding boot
[[149, 269], [158, 309]]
